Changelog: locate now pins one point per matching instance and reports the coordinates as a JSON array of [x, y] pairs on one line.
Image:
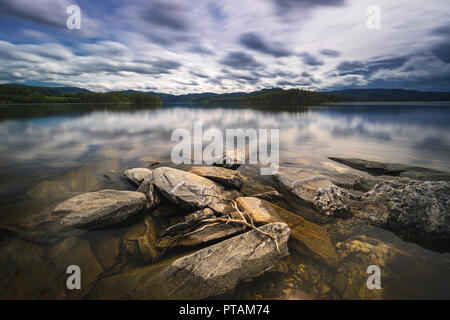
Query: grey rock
[[302, 182], [99, 209], [394, 169], [211, 271], [137, 175], [189, 190]]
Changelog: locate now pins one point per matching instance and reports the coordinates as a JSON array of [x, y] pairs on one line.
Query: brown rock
[[309, 237]]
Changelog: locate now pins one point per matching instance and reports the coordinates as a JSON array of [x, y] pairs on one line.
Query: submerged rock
[[137, 175], [188, 190], [208, 272], [75, 251], [25, 274], [106, 248], [310, 238], [226, 177], [393, 169], [140, 240]]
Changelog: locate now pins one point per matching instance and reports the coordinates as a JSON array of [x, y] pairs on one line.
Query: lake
[[52, 152]]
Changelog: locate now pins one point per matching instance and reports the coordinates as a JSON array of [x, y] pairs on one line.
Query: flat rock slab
[[310, 238], [137, 175], [394, 169], [302, 182], [188, 190], [99, 209], [227, 177], [209, 272]]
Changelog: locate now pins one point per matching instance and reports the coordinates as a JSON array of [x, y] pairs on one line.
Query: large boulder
[[309, 238], [418, 210], [227, 177], [211, 271], [189, 190], [394, 169], [137, 175]]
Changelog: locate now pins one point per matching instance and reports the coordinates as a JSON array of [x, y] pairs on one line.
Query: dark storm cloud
[[442, 51], [48, 12], [311, 60], [369, 67], [255, 41], [240, 60], [200, 50], [330, 52], [347, 66], [165, 14], [288, 5]]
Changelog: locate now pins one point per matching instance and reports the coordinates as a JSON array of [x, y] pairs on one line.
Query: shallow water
[[50, 153]]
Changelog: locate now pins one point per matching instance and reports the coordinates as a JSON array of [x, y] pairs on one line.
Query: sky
[[179, 46]]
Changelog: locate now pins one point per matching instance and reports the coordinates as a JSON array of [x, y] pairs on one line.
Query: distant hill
[[18, 93], [291, 98], [391, 95], [10, 93]]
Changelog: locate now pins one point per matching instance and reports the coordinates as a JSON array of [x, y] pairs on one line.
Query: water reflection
[[53, 152]]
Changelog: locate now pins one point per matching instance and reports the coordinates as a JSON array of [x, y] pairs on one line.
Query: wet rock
[[405, 267], [193, 231], [137, 175], [309, 238], [140, 240], [99, 209], [208, 272], [106, 248], [153, 198], [189, 190], [74, 216], [226, 177], [75, 251], [393, 169], [421, 209], [252, 188], [25, 274], [332, 201], [302, 182], [231, 159]]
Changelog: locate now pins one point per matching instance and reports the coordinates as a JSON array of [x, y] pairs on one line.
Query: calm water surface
[[49, 153]]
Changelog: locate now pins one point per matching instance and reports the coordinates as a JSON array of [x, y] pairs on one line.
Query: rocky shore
[[205, 231]]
